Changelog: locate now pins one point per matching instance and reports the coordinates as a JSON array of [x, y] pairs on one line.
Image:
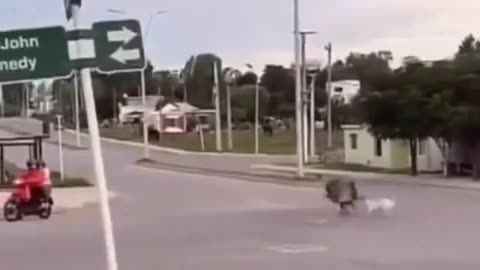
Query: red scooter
[[30, 197]]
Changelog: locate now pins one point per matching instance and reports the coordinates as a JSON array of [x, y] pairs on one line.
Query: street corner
[[67, 199], [77, 198]]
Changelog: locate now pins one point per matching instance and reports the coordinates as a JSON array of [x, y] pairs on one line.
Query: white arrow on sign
[[125, 35], [121, 55]]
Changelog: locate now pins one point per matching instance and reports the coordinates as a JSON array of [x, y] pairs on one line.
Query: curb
[[177, 151], [367, 176], [275, 178], [59, 206]]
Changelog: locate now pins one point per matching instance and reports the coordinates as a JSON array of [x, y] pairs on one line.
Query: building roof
[[183, 107]]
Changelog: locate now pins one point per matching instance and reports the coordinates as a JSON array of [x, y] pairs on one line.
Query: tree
[[467, 46], [399, 114], [281, 86], [243, 102], [200, 81]]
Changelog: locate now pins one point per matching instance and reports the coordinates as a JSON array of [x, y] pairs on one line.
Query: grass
[[282, 142], [358, 168]]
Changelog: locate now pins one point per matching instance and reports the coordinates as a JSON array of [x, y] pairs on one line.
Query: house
[[361, 147], [134, 108], [344, 91], [179, 117]]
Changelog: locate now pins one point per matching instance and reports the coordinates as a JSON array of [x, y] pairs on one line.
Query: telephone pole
[[329, 91], [298, 88]]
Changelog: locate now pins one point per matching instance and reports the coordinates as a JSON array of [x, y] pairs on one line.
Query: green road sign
[[119, 46], [30, 54]]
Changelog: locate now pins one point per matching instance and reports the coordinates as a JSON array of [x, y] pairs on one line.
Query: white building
[[344, 91], [363, 148]]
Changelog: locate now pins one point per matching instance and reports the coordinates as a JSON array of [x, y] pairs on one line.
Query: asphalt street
[[172, 220]]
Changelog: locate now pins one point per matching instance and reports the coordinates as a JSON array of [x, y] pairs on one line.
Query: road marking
[[298, 249]]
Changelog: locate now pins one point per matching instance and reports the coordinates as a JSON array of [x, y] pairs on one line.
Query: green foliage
[[243, 102]]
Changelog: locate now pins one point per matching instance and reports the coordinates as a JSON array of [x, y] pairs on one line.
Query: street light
[[304, 90], [298, 87], [257, 90], [231, 76], [142, 75]]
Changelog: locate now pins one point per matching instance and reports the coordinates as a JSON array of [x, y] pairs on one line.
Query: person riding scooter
[[36, 181], [31, 195]]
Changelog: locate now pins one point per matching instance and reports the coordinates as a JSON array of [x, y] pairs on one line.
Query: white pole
[[257, 92], [229, 119], [77, 109], [298, 88], [146, 153], [60, 146], [304, 103], [77, 93], [329, 94], [218, 124], [313, 146], [202, 138], [98, 160]]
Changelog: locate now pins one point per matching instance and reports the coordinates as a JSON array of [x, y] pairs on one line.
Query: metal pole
[[229, 119], [312, 118], [329, 94], [304, 107], [27, 99], [257, 90], [2, 101], [77, 108], [146, 153], [60, 146], [298, 88], [114, 94], [2, 164], [97, 160], [218, 124]]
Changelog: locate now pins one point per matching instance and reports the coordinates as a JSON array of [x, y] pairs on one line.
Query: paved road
[[169, 220]]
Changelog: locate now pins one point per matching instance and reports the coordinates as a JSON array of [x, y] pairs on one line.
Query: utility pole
[[329, 92], [305, 94], [298, 88], [313, 146], [218, 123]]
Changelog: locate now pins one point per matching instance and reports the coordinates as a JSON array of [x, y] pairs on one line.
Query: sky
[[260, 32]]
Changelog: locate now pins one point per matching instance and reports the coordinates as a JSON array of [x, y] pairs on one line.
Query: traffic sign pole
[[98, 160], [146, 152]]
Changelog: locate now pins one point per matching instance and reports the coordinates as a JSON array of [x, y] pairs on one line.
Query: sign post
[[112, 47]]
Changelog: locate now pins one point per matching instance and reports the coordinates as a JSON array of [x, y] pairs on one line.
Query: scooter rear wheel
[[11, 211]]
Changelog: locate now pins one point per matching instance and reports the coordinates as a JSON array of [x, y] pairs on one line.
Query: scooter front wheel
[[11, 211], [46, 212]]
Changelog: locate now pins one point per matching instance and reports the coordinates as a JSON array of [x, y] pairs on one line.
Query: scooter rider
[[46, 183]]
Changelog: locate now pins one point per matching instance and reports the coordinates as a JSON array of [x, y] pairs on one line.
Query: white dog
[[382, 204]]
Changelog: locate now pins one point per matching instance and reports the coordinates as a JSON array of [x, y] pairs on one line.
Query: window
[[338, 90], [421, 147], [353, 140], [378, 147]]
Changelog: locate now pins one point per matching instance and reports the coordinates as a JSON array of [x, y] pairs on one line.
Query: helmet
[[30, 164], [41, 164]]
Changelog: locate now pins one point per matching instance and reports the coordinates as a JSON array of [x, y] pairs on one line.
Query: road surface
[[171, 220]]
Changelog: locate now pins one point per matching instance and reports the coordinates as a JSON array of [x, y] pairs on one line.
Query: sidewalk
[[424, 180], [68, 198]]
